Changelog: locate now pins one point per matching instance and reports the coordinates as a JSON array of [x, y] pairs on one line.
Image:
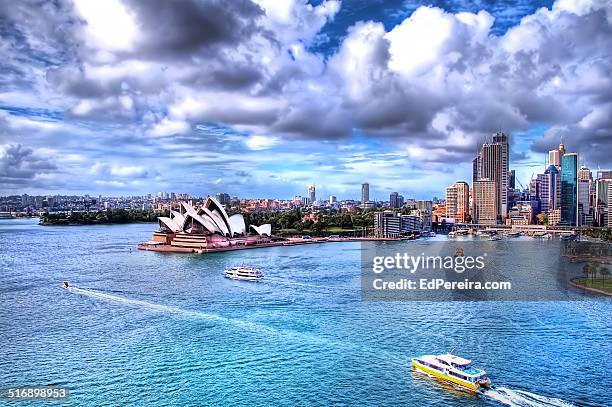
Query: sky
[[263, 98]]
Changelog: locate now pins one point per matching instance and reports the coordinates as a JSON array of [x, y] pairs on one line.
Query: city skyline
[[101, 100]]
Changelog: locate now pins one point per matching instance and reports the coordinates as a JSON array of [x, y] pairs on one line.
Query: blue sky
[[263, 98]]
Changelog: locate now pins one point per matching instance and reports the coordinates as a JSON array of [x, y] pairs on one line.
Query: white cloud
[[257, 143]]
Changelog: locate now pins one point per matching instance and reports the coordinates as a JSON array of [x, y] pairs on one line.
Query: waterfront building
[[458, 202], [484, 202], [206, 227], [424, 211], [312, 195], [451, 203], [554, 217], [410, 224], [387, 224], [365, 193], [520, 214], [569, 189], [492, 164]]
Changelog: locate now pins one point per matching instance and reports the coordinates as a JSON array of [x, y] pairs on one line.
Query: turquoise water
[[145, 328]]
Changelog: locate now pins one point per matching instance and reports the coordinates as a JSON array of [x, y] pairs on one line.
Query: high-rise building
[[569, 189], [223, 198], [424, 212], [484, 202], [492, 163], [549, 191], [365, 193], [512, 179], [458, 201], [584, 196], [451, 202], [332, 199], [602, 188], [393, 200], [312, 195], [554, 158]]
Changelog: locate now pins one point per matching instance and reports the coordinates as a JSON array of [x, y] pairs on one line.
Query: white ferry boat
[[453, 369], [243, 273]]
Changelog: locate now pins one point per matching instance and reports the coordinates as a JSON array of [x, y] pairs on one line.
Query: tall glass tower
[[569, 189]]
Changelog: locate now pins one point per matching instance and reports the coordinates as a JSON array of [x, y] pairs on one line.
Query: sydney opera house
[[207, 228]]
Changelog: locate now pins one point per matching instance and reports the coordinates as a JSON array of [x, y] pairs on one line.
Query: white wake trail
[[520, 398]]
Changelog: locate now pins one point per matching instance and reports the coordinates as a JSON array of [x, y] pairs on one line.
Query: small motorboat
[[496, 237], [65, 284]]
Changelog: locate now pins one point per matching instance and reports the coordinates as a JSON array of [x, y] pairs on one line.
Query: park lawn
[[600, 284]]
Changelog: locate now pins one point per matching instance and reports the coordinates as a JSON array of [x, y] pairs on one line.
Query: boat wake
[[520, 398]]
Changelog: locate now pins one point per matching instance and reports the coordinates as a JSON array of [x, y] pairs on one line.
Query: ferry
[[243, 273], [453, 369]]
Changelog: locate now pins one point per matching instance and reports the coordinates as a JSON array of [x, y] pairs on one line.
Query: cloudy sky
[[261, 98]]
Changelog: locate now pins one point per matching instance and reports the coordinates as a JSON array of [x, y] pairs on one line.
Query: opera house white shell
[[211, 218]]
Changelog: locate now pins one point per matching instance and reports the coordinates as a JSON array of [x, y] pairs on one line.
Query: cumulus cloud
[[20, 165], [149, 74]]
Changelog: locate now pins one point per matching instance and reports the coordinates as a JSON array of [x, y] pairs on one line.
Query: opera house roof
[[210, 218]]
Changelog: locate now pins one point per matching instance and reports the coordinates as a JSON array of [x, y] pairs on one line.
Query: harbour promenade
[[292, 241]]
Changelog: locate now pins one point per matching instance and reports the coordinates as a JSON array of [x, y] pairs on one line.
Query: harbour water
[[146, 328]]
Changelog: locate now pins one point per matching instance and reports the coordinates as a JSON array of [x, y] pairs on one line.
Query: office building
[[312, 195], [365, 192], [569, 189], [584, 196], [484, 202], [492, 164], [396, 200], [458, 202]]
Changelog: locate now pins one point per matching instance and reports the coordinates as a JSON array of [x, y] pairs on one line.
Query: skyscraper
[[365, 192], [554, 158], [569, 189], [458, 201], [484, 202], [492, 163], [584, 196], [312, 195]]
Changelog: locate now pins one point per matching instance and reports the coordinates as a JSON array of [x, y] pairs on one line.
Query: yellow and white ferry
[[453, 369]]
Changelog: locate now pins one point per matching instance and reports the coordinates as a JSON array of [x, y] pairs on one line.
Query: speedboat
[[243, 273], [513, 234], [65, 284], [496, 237], [453, 369]]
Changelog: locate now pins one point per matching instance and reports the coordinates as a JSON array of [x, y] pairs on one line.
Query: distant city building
[[223, 198], [484, 202], [569, 189], [365, 192], [312, 195], [396, 200], [332, 199], [602, 188], [554, 158], [424, 211]]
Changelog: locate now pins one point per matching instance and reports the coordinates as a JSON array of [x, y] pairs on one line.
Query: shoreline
[[574, 284]]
